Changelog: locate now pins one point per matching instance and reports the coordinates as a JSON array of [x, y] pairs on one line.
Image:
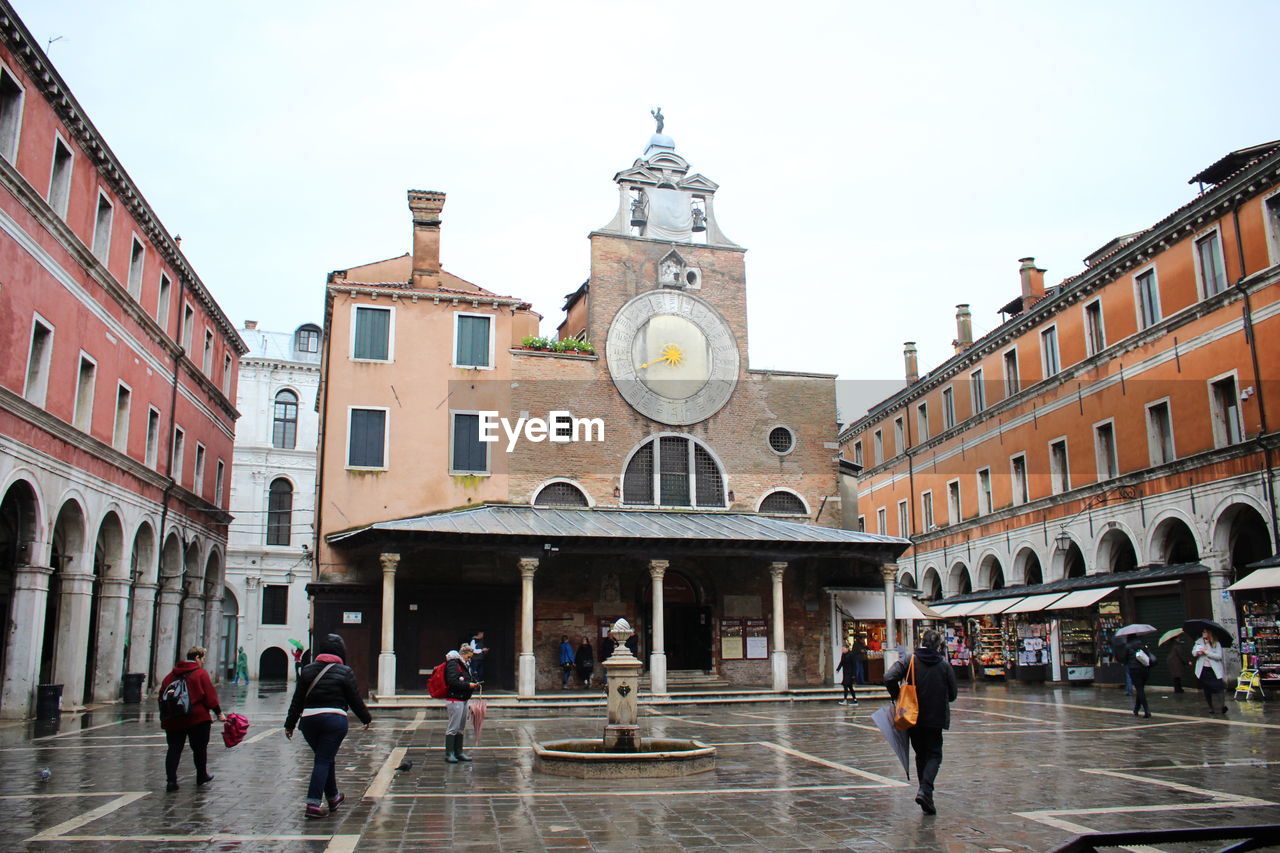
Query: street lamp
[[290, 577], [1064, 540]]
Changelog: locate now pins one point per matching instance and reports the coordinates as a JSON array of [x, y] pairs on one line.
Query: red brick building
[[705, 511], [117, 373]]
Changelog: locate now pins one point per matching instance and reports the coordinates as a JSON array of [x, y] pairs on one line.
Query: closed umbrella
[[1169, 635], [477, 707], [897, 740], [1136, 630], [1195, 627]]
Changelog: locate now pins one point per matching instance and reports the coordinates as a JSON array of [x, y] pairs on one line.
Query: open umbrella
[[1195, 627], [883, 718], [1169, 635], [1136, 630], [296, 644], [477, 707]]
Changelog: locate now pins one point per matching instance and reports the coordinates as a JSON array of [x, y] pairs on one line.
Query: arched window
[[560, 494], [279, 512], [307, 339], [782, 503], [284, 427], [673, 470]]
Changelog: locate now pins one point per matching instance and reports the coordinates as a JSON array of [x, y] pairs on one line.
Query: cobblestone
[[1024, 769]]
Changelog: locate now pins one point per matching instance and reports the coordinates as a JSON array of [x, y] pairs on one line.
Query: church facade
[[655, 475]]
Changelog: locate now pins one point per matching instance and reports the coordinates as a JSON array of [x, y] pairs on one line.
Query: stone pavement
[[1025, 768]]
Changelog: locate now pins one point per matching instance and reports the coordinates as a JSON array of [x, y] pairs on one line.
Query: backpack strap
[[316, 680]]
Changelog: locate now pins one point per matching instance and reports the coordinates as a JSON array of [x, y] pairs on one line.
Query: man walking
[[481, 653], [935, 683]]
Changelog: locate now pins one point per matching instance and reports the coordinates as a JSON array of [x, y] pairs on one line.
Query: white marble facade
[[275, 444]]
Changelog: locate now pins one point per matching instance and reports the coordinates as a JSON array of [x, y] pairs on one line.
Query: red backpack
[[436, 685]]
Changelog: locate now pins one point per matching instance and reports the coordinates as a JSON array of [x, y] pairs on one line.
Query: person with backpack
[[187, 698], [935, 683], [461, 683], [1138, 663], [325, 691]]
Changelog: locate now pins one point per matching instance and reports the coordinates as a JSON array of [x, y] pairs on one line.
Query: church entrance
[[687, 624]]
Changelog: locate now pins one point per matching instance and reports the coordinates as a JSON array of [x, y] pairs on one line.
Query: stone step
[[593, 702]]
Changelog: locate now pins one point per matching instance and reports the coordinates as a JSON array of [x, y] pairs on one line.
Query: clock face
[[672, 357]]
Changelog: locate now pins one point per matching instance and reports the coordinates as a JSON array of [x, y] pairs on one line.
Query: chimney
[[909, 356], [1032, 282], [426, 207], [251, 324], [964, 329]]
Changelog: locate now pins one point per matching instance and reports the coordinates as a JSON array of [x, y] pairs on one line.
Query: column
[[527, 677], [837, 639], [889, 572], [779, 656], [113, 606], [658, 653], [1222, 606], [23, 641], [387, 657], [167, 632], [141, 626], [192, 623], [213, 639], [71, 645]]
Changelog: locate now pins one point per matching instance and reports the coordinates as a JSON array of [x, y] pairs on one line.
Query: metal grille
[[673, 461], [637, 483], [710, 482], [560, 494], [782, 503], [781, 440]]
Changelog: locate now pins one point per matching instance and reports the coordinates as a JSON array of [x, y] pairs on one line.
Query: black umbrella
[[1195, 627]]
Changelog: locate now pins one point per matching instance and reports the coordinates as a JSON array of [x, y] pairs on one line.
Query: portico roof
[[517, 525]]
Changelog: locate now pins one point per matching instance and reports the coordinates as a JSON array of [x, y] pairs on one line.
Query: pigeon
[[405, 765], [45, 774]]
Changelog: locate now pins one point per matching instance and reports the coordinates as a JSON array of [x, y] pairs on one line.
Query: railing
[[1241, 838]]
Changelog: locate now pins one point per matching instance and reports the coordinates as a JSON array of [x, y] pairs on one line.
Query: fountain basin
[[586, 758]]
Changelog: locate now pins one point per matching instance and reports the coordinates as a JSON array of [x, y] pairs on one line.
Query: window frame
[[857, 453], [1103, 474], [117, 439], [187, 331], [206, 359], [37, 392], [487, 445], [928, 521], [76, 413], [177, 453], [877, 446], [228, 368], [137, 266], [275, 419], [1012, 382], [1093, 347], [1155, 439], [986, 494], [164, 301], [356, 307], [15, 144], [1271, 223], [882, 520], [1015, 458], [62, 205], [862, 524], [493, 326], [922, 421], [955, 513], [219, 483], [269, 592], [1140, 303], [977, 391], [1049, 335], [1218, 421], [1059, 480], [1202, 285], [273, 525], [386, 440], [105, 257], [308, 329], [899, 435], [197, 469], [151, 452], [948, 407], [904, 519]]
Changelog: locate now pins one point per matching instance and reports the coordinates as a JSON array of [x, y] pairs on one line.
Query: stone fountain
[[622, 753]]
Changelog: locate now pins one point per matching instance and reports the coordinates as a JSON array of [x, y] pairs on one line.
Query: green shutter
[[473, 342], [469, 453], [365, 444], [373, 333]]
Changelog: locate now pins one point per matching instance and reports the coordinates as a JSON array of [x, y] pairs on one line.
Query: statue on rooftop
[[657, 116]]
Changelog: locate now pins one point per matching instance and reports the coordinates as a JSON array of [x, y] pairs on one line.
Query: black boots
[[453, 749]]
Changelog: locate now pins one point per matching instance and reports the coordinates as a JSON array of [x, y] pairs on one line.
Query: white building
[[273, 482]]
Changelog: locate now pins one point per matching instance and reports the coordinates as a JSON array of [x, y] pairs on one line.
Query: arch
[[1026, 566], [273, 664], [142, 554], [280, 512], [991, 573], [192, 570], [230, 638], [1241, 534], [1116, 552], [284, 420], [171, 561], [1173, 541], [560, 492], [906, 580], [959, 580], [1068, 563], [674, 469], [109, 548], [19, 529], [932, 584], [66, 555], [783, 501], [213, 577]]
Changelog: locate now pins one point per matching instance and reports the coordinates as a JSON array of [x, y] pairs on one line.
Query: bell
[[638, 215], [699, 220]]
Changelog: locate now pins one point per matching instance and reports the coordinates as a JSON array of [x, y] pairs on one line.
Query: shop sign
[[352, 617]]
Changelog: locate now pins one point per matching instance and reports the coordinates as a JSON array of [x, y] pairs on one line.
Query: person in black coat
[[585, 662], [325, 690], [935, 683], [462, 683], [1138, 674], [848, 665]]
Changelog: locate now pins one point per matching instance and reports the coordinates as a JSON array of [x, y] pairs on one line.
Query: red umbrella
[[478, 708], [233, 730]]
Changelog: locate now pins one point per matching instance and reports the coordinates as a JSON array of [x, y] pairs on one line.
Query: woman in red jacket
[[194, 725]]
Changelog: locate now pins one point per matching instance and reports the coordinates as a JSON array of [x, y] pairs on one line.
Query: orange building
[[1107, 446], [689, 492]]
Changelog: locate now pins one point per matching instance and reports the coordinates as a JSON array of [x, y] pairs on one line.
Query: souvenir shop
[[1257, 597], [859, 614], [1062, 631]]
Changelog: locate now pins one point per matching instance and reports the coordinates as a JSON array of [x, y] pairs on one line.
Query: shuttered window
[[367, 439], [473, 341], [373, 334], [470, 454]]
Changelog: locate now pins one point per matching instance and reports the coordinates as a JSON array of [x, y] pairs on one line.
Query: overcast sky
[[881, 162]]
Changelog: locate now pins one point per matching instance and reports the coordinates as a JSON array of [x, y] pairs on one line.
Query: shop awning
[[965, 608], [1035, 603], [1257, 579], [946, 609], [869, 604], [998, 605], [905, 607], [1082, 598]]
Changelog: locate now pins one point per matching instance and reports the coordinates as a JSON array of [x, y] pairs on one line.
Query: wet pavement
[[1024, 769]]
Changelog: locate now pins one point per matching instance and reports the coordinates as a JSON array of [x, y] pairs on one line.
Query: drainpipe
[[1247, 317], [323, 404]]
